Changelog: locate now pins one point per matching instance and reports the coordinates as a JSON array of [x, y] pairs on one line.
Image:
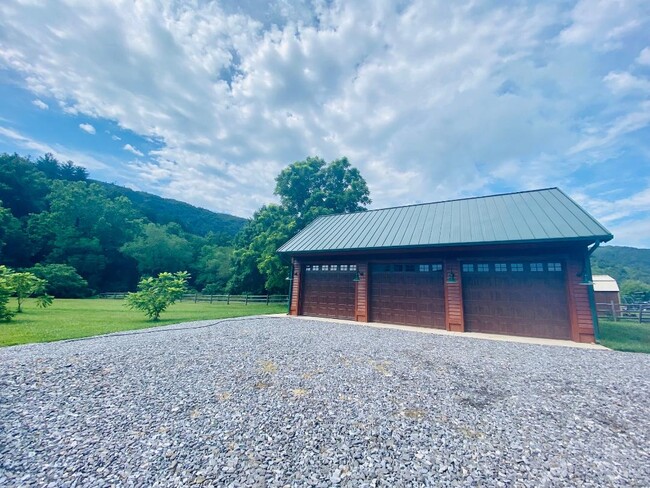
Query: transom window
[[555, 266], [536, 267], [482, 267], [500, 267], [406, 268], [468, 268], [330, 267], [516, 267]]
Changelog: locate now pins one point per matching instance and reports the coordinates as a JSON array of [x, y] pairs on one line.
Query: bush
[[63, 281], [213, 289], [5, 293], [154, 295]]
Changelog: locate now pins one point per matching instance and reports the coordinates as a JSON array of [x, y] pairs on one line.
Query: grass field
[[625, 336], [70, 319]]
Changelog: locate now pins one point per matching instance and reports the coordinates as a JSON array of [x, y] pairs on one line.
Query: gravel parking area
[[283, 402]]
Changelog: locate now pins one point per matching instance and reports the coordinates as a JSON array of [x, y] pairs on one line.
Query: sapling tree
[[25, 285], [154, 295]]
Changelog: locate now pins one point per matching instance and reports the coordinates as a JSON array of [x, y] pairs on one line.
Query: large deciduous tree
[[307, 189], [62, 280], [160, 248], [87, 228]]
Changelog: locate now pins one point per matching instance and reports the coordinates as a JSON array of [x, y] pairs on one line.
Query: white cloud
[[626, 217], [59, 152], [116, 138], [605, 23], [622, 82], [429, 99], [87, 128], [131, 149], [644, 57], [40, 104], [625, 124]]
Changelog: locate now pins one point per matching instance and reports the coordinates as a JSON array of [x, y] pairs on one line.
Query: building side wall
[[582, 324], [294, 308], [580, 312], [607, 297]]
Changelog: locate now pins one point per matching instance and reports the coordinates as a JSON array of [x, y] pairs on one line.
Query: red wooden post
[[454, 314]]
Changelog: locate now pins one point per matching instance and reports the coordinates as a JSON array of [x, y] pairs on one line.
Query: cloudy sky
[[207, 101]]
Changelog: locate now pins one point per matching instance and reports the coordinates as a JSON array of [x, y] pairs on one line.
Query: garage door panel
[[328, 294], [516, 302], [406, 297]]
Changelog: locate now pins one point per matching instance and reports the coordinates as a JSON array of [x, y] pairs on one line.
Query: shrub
[[5, 293], [154, 295], [63, 281]]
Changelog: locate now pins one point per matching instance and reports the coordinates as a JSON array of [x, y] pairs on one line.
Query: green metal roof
[[528, 216]]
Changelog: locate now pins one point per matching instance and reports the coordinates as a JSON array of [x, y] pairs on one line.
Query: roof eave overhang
[[586, 240]]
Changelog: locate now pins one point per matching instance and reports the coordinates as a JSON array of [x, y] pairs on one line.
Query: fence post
[[211, 298], [267, 299], [228, 299], [246, 299], [640, 314], [614, 311]]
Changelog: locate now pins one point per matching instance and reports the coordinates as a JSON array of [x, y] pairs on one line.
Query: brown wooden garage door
[[410, 294], [328, 291], [517, 298]]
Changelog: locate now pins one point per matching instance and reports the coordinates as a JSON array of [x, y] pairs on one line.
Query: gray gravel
[[283, 402]]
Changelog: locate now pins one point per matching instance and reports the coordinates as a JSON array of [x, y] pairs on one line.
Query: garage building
[[516, 263]]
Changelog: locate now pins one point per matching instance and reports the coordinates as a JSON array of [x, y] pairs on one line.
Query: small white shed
[[606, 289]]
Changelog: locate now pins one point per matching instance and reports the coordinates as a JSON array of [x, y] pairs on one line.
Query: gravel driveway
[[278, 401]]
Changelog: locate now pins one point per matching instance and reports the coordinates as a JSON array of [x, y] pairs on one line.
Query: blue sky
[[206, 101]]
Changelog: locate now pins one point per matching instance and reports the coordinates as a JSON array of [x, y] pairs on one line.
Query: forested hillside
[[630, 266], [101, 237], [159, 210]]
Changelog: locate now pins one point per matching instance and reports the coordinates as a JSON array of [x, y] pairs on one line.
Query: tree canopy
[[307, 189]]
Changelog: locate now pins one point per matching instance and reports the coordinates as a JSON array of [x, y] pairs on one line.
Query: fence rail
[[227, 299], [636, 312]]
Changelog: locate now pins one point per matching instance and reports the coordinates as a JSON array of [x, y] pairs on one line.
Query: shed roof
[[604, 283], [527, 216]]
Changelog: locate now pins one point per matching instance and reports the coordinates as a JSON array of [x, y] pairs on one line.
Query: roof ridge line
[[441, 201]]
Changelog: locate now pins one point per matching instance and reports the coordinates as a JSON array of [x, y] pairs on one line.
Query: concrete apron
[[476, 335]]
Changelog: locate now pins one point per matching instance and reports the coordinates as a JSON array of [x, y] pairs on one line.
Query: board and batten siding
[[582, 322], [294, 308]]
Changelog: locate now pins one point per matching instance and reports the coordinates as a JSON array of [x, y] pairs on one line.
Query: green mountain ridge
[[161, 210], [622, 263]]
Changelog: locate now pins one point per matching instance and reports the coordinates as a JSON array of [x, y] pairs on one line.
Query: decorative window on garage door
[[533, 267], [405, 268], [328, 268]]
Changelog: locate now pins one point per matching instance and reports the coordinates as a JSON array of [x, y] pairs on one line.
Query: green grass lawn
[[69, 319], [625, 335]]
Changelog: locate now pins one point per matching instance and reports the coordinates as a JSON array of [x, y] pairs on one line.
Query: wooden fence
[[227, 299], [636, 312]]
